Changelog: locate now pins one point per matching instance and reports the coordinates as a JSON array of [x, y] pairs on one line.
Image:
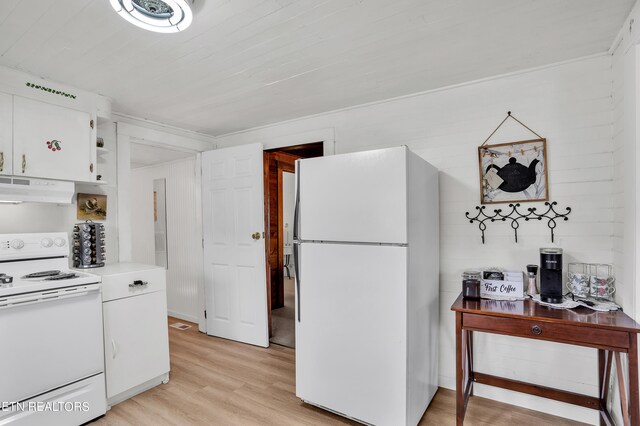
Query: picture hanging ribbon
[[509, 115]]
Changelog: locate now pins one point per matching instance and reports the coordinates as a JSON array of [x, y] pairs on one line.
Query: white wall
[[570, 104], [184, 234]]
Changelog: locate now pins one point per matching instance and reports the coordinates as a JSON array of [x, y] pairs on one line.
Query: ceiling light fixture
[[161, 16]]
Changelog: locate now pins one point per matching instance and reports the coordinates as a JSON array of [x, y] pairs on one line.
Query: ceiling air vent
[[162, 16]]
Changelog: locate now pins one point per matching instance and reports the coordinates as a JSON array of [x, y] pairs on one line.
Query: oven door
[[49, 339]]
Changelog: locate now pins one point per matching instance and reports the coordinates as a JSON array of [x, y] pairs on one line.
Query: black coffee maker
[[551, 289]]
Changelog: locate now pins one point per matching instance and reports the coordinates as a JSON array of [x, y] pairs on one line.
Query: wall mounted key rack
[[550, 215]]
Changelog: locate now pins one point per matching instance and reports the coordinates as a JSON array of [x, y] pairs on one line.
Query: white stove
[[37, 262], [51, 319]]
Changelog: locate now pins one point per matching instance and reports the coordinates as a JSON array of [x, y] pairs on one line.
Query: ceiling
[[247, 63], [143, 155]]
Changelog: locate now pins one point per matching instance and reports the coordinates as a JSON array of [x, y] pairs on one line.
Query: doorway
[[279, 191], [164, 228]]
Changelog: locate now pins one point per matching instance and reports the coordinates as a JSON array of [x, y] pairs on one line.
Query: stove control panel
[[36, 245]]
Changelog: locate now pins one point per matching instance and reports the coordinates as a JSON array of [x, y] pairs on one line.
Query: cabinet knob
[[24, 163], [536, 330], [91, 167]]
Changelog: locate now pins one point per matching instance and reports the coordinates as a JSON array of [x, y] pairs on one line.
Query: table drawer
[[586, 336]]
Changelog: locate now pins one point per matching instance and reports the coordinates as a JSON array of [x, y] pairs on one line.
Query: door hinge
[[91, 123], [205, 314]]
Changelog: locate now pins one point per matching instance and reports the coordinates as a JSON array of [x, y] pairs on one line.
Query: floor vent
[[180, 326]]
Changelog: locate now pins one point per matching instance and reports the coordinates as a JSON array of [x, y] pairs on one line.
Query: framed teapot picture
[[513, 172]]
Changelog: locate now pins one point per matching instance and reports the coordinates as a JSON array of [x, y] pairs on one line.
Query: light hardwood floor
[[220, 382]]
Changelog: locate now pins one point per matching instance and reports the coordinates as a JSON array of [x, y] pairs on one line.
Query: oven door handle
[[48, 296]]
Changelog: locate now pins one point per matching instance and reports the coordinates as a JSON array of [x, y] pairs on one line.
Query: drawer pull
[[138, 283], [536, 330]]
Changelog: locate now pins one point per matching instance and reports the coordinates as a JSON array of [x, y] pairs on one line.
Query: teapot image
[[516, 177]]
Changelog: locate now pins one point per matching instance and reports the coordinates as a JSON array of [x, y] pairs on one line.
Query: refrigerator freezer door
[[351, 337], [358, 197]]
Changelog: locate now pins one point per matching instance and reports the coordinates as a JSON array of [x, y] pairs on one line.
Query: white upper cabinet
[[6, 131], [52, 142]]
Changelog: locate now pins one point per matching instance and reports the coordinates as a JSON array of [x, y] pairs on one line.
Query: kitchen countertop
[[123, 268]]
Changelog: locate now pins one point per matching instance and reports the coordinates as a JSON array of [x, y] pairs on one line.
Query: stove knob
[[76, 243], [46, 242], [102, 235], [76, 228], [101, 227], [17, 244], [60, 242]]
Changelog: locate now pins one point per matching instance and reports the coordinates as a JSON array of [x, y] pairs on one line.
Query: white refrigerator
[[367, 287]]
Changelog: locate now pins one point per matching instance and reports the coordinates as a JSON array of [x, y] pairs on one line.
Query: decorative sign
[[502, 285], [92, 206], [50, 90], [513, 172], [54, 145]]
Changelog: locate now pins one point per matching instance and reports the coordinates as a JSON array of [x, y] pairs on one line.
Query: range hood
[[19, 189]]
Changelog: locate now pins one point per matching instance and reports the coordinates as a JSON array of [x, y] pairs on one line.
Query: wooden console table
[[611, 333]]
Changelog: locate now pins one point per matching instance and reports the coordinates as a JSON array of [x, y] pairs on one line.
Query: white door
[[358, 197], [234, 250], [54, 341], [6, 134], [351, 335], [135, 341], [52, 142]]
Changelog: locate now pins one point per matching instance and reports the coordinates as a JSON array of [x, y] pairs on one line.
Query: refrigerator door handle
[[296, 211], [296, 236], [296, 269]]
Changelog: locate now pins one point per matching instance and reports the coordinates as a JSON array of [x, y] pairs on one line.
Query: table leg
[[604, 375], [621, 388], [634, 393], [460, 373], [470, 359]]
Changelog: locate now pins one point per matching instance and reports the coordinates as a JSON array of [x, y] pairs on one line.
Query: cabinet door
[[6, 133], [136, 341], [51, 141]]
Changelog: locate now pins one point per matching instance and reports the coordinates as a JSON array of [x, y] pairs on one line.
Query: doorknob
[[255, 236]]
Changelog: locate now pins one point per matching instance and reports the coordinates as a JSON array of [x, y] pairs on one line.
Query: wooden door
[[275, 164]]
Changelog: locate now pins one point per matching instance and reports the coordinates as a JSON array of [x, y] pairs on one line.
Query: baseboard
[[182, 316]]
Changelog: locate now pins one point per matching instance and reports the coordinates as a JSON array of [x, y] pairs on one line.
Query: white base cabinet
[[135, 329]]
